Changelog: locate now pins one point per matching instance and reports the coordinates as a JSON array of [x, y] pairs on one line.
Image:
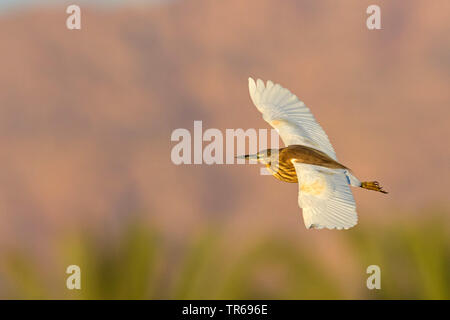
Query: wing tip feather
[[330, 227]]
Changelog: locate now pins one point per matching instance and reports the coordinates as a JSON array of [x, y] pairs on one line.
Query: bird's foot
[[372, 185]]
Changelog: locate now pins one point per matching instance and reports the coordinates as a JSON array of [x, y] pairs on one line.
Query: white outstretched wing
[[325, 197], [289, 116]]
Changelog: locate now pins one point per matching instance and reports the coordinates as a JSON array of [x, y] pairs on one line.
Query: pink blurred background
[[86, 116]]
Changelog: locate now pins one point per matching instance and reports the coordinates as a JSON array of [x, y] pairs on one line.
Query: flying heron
[[308, 158]]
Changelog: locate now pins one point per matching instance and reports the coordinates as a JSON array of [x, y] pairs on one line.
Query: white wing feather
[[324, 194], [325, 197], [289, 116]]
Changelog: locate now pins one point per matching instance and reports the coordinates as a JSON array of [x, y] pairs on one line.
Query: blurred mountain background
[[85, 124]]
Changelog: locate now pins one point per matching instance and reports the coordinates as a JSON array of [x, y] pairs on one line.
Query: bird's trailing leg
[[372, 185]]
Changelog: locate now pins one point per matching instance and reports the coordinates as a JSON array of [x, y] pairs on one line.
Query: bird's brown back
[[284, 169], [308, 155]]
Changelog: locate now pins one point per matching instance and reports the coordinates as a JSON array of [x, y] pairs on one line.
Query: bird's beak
[[248, 156]]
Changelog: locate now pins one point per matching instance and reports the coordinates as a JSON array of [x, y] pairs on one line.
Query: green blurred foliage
[[414, 259], [142, 264]]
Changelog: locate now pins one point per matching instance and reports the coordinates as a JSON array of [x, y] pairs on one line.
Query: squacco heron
[[308, 158]]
